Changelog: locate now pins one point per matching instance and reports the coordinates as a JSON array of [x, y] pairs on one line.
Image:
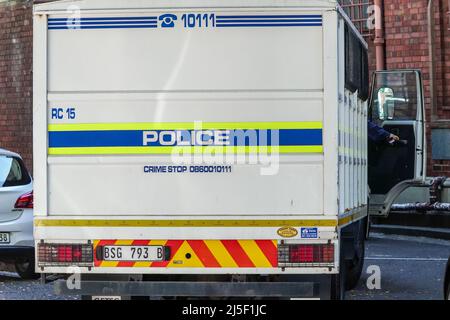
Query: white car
[[16, 214]]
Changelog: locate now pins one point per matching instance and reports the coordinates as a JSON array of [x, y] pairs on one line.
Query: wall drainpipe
[[430, 14], [379, 36]]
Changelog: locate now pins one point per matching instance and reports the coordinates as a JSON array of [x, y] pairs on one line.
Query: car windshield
[[12, 172]]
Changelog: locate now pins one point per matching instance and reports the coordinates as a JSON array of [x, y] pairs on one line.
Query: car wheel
[[25, 269]]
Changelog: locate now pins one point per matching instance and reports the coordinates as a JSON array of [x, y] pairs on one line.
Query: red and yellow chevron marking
[[203, 254]]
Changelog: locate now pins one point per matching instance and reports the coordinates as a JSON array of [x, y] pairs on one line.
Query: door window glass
[[395, 97], [13, 172]]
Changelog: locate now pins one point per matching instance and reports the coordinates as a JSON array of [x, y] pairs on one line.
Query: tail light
[[306, 255], [25, 201], [55, 254]]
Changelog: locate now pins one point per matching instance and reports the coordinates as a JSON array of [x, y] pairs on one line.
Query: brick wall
[[16, 53], [406, 31]]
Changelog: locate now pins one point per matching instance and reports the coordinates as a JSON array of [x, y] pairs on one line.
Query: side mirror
[[386, 104]]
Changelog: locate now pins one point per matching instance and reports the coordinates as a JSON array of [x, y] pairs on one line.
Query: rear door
[[397, 106], [144, 85]]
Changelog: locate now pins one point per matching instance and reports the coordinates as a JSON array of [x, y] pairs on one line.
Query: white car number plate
[[133, 253], [106, 298], [4, 237]]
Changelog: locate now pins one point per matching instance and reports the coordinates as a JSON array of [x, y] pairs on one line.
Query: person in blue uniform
[[377, 134]]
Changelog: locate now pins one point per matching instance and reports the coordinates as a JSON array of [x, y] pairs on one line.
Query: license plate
[[133, 253], [4, 237], [106, 298]]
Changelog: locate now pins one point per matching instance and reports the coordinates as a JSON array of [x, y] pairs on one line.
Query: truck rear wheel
[[355, 266]]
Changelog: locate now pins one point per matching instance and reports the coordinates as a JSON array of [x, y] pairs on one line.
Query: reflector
[[306, 255], [55, 254]]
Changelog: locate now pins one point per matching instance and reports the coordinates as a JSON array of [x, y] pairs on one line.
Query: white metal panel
[[268, 106], [124, 189], [341, 114], [178, 75], [178, 233], [352, 142], [179, 59], [330, 45]]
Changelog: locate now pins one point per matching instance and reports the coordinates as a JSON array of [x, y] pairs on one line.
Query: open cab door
[[397, 105]]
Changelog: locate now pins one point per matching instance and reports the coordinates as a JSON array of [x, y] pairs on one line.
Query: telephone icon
[[168, 20]]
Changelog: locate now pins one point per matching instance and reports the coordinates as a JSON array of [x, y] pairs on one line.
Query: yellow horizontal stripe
[[184, 126], [221, 254], [157, 243], [183, 223], [109, 264], [123, 242], [352, 217], [254, 253], [184, 150], [142, 264]]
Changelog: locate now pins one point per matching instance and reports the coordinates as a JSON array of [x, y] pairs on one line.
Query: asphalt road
[[411, 268]]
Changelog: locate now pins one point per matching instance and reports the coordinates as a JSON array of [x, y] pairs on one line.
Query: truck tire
[[25, 269], [448, 292], [355, 266], [368, 222]]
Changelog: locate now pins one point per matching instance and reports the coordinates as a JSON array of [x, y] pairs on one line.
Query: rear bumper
[[20, 230], [318, 287], [15, 252]]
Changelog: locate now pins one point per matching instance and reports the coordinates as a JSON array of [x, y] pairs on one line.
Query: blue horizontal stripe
[[102, 27], [102, 19], [271, 17], [269, 21], [271, 25], [134, 138], [300, 137], [74, 22]]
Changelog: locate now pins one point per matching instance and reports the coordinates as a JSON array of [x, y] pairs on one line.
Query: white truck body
[[116, 88]]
